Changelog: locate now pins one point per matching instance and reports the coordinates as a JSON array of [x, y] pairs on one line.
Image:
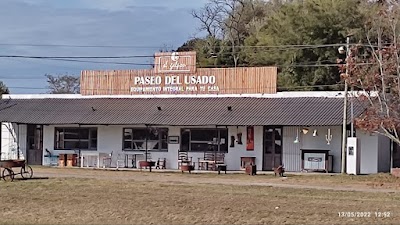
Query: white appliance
[[314, 161], [353, 156]]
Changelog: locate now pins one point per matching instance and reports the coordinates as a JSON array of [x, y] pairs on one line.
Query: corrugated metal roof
[[177, 111]]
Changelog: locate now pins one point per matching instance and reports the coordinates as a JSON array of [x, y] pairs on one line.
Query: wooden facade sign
[[177, 74], [175, 62]]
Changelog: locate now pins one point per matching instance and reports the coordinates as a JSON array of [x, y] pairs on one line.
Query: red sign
[[250, 138]]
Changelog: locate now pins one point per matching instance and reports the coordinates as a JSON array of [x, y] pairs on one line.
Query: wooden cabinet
[[246, 161]]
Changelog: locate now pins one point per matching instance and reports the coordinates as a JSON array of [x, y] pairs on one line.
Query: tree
[[375, 71], [227, 24], [241, 33], [3, 88], [305, 24], [63, 84]]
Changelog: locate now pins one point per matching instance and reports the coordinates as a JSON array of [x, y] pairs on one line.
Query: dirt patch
[[370, 183]]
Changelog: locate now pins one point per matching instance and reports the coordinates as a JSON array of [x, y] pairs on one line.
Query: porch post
[[146, 137], [79, 146], [18, 155], [392, 143], [215, 157]]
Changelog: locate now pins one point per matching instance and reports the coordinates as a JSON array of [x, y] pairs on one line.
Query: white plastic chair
[[107, 160], [120, 159]]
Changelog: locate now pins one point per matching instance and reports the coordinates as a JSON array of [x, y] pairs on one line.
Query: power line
[[38, 88], [85, 46], [171, 46], [274, 48], [22, 78], [76, 57], [209, 66], [101, 62]]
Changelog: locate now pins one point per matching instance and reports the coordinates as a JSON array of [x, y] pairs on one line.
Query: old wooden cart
[[7, 167]]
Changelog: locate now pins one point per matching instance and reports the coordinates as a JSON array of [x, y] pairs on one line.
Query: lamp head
[[341, 50]]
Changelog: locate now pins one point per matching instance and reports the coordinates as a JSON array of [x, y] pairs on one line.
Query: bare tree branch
[[63, 84], [379, 76]]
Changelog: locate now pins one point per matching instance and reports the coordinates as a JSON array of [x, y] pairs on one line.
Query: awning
[[235, 111]]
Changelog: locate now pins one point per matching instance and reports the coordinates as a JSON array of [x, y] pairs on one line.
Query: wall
[[291, 158], [368, 152], [291, 151], [383, 154], [110, 140], [11, 133], [240, 150]]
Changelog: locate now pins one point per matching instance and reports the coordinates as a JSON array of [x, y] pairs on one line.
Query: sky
[[52, 27]]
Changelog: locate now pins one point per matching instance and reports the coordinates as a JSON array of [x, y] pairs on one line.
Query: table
[[88, 155], [209, 162], [134, 158], [51, 160]]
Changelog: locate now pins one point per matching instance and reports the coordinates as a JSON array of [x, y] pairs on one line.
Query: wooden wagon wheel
[[26, 172], [8, 174]]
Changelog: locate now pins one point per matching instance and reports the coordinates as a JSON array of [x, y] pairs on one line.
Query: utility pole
[[344, 131]]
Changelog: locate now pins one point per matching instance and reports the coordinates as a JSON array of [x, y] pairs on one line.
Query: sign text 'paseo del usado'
[[174, 80], [176, 73]]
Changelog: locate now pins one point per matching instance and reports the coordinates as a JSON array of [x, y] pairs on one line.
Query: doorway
[[34, 144], [395, 155], [272, 150]]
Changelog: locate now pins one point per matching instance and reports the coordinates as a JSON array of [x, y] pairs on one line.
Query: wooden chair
[[183, 159], [220, 157], [161, 163], [220, 162], [217, 161], [209, 156], [207, 161], [120, 160]]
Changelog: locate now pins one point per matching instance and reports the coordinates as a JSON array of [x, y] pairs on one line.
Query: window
[[76, 138], [200, 140], [135, 139]]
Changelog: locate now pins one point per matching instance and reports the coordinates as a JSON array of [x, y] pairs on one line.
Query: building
[[178, 107]]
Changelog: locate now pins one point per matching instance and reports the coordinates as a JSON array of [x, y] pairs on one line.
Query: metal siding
[[291, 151], [22, 131]]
